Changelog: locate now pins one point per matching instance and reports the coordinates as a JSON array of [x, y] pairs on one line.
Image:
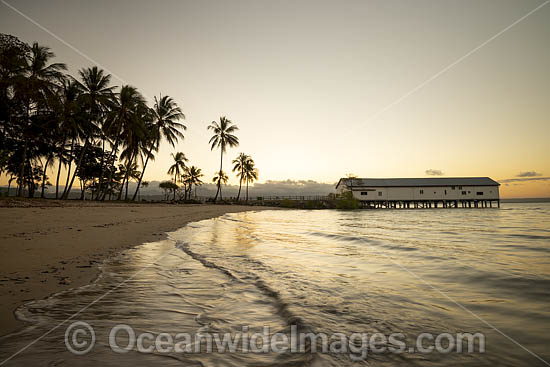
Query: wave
[[282, 307], [529, 236], [363, 239]]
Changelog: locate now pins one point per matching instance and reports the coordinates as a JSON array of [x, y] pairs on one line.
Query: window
[[452, 187], [469, 192], [445, 192], [463, 192], [460, 187], [379, 193], [364, 193], [421, 192], [479, 193]]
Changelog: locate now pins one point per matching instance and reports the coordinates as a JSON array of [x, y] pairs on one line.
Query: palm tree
[[69, 115], [179, 165], [129, 171], [219, 179], [239, 164], [38, 82], [123, 116], [95, 95], [166, 115], [194, 175], [134, 137], [222, 138], [250, 174]]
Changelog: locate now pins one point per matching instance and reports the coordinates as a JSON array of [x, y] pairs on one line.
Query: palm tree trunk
[[247, 191], [22, 171], [9, 185], [240, 184], [57, 179], [30, 180], [76, 169], [69, 168], [142, 172], [109, 183], [59, 167], [217, 191], [220, 181], [102, 165], [125, 180], [44, 176], [128, 176], [126, 194]]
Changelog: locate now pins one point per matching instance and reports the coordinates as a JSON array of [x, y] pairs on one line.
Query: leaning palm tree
[[250, 174], [70, 117], [222, 138], [220, 179], [179, 165], [122, 118], [166, 115], [238, 165], [95, 95]]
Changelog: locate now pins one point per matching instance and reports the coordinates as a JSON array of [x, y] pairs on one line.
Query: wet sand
[[47, 246]]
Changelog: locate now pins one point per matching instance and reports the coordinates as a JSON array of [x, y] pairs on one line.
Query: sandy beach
[[48, 246]]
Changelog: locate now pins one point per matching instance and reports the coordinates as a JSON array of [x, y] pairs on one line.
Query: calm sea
[[374, 272]]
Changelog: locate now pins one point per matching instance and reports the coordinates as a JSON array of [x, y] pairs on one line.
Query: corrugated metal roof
[[428, 181]]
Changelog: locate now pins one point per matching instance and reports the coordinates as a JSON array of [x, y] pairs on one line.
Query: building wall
[[426, 193]]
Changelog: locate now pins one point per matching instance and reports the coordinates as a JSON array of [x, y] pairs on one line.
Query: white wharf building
[[450, 192]]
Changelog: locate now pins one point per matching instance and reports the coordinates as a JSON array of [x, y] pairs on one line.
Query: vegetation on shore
[[102, 134], [99, 135]]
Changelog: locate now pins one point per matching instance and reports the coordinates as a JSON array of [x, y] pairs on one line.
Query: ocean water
[[373, 272]]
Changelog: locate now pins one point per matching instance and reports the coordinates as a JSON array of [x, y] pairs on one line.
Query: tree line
[[102, 134], [190, 176]]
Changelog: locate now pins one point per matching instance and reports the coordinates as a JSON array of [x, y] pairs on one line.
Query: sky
[[320, 89]]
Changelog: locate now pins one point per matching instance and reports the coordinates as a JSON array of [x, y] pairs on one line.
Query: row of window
[[366, 192], [479, 193]]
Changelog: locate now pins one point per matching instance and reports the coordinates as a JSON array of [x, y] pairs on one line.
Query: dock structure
[[416, 193]]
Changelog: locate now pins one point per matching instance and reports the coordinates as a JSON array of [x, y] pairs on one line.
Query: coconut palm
[[194, 175], [70, 117], [238, 165], [123, 116], [179, 165], [223, 137], [166, 115], [39, 79], [135, 138], [219, 179], [95, 96], [250, 174]]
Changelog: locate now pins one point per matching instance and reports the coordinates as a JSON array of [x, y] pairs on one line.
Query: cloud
[[528, 174], [434, 172], [524, 179]]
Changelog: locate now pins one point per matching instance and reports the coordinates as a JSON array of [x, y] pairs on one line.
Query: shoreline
[[50, 246]]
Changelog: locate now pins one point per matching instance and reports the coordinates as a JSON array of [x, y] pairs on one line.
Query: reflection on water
[[394, 271]]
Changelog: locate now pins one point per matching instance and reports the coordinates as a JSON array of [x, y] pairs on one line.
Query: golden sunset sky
[[324, 88]]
